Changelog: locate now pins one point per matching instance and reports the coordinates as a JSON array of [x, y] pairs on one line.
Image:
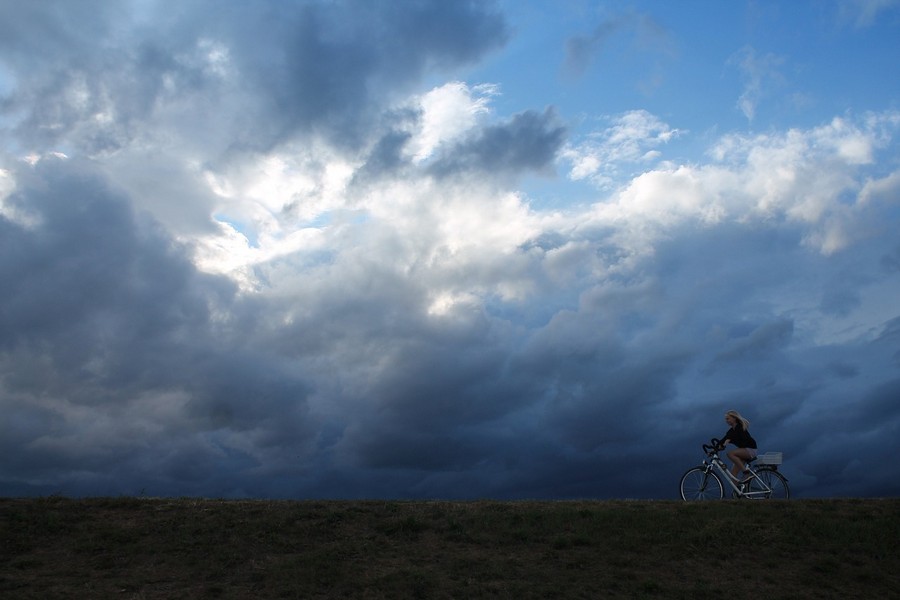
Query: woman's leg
[[738, 456]]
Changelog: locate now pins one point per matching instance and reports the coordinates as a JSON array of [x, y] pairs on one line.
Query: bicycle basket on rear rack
[[772, 459]]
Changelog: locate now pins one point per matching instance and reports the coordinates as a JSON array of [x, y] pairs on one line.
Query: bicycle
[[704, 482]]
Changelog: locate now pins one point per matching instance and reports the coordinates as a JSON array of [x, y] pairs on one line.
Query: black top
[[739, 437]]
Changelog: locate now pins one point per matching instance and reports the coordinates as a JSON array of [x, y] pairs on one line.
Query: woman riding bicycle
[[740, 437]]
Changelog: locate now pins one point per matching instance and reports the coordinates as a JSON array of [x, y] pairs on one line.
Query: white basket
[[769, 458]]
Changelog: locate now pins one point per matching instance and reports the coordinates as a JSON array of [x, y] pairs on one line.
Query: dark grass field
[[127, 548]]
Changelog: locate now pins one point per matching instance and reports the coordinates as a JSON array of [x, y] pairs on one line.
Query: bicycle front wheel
[[700, 484], [769, 484]]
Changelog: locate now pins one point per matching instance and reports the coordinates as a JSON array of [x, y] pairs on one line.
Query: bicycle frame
[[739, 487]]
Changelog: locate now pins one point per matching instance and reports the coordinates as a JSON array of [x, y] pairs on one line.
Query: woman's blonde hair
[[735, 414]]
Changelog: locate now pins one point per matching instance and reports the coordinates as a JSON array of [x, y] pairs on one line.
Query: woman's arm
[[726, 439]]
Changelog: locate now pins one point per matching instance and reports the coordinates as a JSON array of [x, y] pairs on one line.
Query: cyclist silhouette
[[738, 435]]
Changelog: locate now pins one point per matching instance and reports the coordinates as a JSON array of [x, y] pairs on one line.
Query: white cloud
[[631, 137], [271, 206], [881, 189], [448, 112], [802, 176]]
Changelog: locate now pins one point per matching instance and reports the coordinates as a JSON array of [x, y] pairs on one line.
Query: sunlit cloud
[[632, 137]]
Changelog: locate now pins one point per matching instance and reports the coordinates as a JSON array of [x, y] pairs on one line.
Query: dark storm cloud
[[527, 142], [274, 69], [86, 258], [124, 369], [385, 158], [335, 61], [832, 436], [616, 396], [103, 314], [759, 342], [435, 405], [409, 340]]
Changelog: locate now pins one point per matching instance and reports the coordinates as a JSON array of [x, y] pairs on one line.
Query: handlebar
[[714, 447]]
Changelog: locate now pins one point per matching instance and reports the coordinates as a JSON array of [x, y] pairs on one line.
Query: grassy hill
[[141, 548]]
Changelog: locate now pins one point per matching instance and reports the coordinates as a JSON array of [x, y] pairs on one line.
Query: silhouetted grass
[[141, 548]]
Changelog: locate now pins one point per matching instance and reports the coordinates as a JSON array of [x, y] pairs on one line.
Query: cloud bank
[[285, 250]]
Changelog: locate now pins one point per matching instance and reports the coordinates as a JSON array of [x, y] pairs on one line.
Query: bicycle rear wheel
[[700, 484], [774, 481]]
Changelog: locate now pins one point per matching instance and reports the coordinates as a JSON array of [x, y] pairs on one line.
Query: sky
[[446, 250]]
